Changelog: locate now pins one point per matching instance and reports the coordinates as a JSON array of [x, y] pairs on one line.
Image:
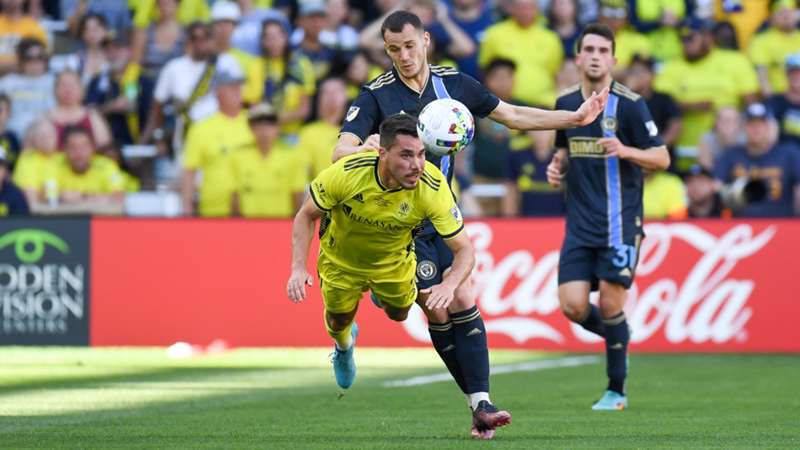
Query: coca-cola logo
[[517, 293]]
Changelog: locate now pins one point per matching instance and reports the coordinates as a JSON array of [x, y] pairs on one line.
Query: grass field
[[286, 398]]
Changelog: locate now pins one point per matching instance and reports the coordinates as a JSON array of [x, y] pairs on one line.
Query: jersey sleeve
[[442, 210], [482, 102], [643, 129], [362, 116], [329, 188], [561, 135]]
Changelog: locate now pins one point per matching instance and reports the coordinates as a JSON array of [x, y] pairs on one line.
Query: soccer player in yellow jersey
[[375, 200]]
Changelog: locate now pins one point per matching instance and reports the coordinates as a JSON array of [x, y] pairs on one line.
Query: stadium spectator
[[769, 49], [41, 147], [8, 140], [289, 82], [614, 14], [764, 158], [69, 110], [746, 17], [513, 39], [473, 17], [32, 89], [116, 14], [658, 20], [702, 195], [666, 113], [84, 181], [106, 93], [786, 106], [130, 183], [91, 59], [224, 17], [312, 19], [663, 196], [703, 82], [727, 132], [338, 34], [270, 177], [156, 42], [15, 26], [185, 87], [361, 69], [210, 145], [567, 75], [587, 10], [562, 18], [12, 200], [724, 36], [147, 12], [317, 139], [528, 192], [247, 35]]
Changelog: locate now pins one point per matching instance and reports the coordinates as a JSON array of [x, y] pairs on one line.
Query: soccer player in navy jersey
[[458, 334], [601, 164]]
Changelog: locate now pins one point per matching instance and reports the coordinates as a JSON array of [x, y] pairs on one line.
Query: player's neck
[[417, 82], [385, 178], [589, 86]]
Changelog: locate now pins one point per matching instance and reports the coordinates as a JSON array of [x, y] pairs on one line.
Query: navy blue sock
[[443, 343], [472, 350], [593, 321], [617, 337]]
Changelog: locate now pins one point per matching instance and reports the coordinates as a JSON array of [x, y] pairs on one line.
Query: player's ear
[[426, 39]]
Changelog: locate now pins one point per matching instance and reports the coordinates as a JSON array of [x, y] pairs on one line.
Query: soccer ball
[[445, 126]]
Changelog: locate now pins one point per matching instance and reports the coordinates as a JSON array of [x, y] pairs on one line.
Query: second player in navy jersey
[[601, 164], [457, 333]]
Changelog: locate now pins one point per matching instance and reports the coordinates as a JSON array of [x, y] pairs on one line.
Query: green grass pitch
[[286, 398]]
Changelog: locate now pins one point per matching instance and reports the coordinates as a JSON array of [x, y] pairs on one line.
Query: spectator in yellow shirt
[[769, 49], [209, 147], [270, 176], [14, 26], [659, 21], [629, 42], [224, 17], [318, 138], [703, 82], [664, 196], [535, 50], [40, 148], [188, 11]]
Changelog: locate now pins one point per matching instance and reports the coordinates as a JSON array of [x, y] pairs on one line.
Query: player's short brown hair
[[397, 20], [395, 124], [599, 30]]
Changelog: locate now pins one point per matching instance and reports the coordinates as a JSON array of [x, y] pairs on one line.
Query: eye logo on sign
[[30, 244]]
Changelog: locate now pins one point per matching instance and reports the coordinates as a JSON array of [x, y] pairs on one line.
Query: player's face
[[595, 58], [405, 160], [407, 49]]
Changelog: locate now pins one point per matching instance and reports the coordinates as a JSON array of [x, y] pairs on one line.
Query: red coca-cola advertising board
[[703, 286]]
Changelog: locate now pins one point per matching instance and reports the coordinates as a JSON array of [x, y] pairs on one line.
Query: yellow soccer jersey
[[266, 185], [370, 228], [769, 50], [31, 169], [102, 178], [209, 146]]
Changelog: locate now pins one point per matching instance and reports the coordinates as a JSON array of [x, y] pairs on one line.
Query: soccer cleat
[[487, 417], [375, 300], [344, 367], [478, 434], [611, 401]]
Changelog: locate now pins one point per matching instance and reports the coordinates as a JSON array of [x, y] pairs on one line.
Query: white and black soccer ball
[[445, 126]]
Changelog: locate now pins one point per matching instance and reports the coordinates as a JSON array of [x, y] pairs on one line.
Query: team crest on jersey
[[426, 270], [352, 113], [609, 124], [404, 208]]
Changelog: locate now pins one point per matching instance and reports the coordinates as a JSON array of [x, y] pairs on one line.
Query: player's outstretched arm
[[348, 144], [527, 118], [302, 232], [441, 295]]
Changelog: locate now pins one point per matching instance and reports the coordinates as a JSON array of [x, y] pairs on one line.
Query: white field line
[[531, 366]]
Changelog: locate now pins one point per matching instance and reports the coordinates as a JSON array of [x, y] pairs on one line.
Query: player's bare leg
[[469, 360]]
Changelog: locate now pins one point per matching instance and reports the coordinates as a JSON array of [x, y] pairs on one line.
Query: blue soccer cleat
[[375, 300], [344, 367], [611, 401]]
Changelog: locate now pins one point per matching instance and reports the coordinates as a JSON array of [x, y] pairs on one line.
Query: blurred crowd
[[233, 106]]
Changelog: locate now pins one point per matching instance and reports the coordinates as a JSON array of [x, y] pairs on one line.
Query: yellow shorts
[[342, 290]]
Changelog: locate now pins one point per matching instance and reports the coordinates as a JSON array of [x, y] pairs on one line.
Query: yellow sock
[[343, 338]]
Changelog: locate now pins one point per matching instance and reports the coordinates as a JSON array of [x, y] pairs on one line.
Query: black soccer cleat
[[487, 417]]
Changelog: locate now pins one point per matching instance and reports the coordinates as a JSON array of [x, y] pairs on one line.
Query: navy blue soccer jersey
[[388, 94], [604, 194]]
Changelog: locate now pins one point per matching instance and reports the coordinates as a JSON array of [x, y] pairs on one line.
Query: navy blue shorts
[[433, 258], [579, 262]]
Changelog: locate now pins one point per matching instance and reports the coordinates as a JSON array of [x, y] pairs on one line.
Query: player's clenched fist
[[555, 170], [296, 287]]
